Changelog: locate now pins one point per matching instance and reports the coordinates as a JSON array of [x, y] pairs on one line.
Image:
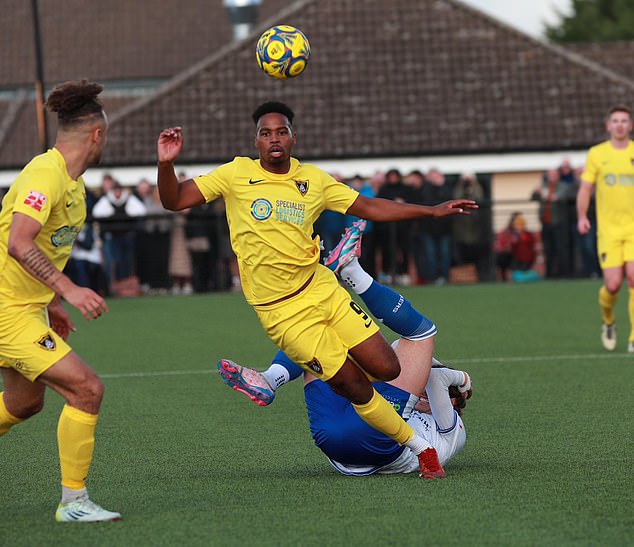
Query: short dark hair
[[620, 108], [273, 106], [75, 102]]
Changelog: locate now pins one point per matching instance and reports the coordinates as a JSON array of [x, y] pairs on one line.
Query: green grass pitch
[[188, 462]]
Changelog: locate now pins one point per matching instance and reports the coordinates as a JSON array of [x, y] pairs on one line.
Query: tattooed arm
[[22, 247]]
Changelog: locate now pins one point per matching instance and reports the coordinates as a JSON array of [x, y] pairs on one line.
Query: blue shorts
[[344, 437]]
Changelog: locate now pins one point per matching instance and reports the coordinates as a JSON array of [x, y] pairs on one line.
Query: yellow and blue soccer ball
[[282, 52]]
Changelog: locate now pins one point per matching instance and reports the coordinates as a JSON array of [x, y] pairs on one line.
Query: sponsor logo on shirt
[[65, 236], [261, 209], [35, 200], [290, 212]]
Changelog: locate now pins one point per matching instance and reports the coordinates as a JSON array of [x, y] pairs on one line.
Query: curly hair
[[75, 102], [273, 106]]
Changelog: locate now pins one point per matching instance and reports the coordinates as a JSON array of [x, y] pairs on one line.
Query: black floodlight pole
[[42, 127]]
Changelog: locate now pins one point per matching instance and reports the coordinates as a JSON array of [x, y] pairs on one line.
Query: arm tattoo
[[38, 265]]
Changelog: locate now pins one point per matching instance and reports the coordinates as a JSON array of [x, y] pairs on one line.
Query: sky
[[527, 15]]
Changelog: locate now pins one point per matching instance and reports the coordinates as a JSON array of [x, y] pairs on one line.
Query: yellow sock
[[7, 420], [76, 440], [607, 302], [380, 414]]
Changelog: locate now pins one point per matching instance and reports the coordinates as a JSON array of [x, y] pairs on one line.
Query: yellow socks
[[7, 420], [606, 302], [380, 414], [76, 440]]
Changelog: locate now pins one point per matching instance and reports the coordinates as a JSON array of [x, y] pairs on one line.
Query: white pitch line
[[527, 358]]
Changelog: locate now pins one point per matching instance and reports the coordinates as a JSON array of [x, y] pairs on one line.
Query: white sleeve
[[438, 394], [103, 208], [135, 207]]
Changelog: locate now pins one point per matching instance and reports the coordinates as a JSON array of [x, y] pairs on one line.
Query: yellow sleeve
[[338, 196], [216, 183], [38, 190]]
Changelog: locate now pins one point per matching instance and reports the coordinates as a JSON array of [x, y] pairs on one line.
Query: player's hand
[[170, 144], [87, 301], [60, 321], [454, 207], [583, 225]]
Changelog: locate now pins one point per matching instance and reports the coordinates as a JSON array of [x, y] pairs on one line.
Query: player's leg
[[608, 294], [258, 386], [629, 272], [82, 389], [20, 399], [612, 263]]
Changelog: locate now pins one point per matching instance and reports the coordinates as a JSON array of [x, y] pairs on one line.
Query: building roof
[[407, 78]]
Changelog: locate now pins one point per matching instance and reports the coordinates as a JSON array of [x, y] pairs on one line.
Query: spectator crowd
[[131, 245]]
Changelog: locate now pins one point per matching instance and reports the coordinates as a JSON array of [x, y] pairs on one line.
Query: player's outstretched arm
[[175, 195], [385, 210]]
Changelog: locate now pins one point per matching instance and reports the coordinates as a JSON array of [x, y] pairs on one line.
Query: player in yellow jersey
[[609, 171], [271, 206], [42, 213]]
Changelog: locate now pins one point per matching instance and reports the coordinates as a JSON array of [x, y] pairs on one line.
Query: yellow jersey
[[271, 219], [45, 192], [612, 173]]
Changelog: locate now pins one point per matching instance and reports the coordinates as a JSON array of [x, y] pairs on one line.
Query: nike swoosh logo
[[251, 181], [69, 204]]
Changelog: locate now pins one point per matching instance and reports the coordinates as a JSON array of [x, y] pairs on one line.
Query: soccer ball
[[282, 52]]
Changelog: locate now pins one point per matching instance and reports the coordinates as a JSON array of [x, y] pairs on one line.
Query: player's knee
[[26, 409], [87, 394]]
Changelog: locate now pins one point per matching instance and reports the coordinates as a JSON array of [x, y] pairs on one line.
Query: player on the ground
[[351, 446], [610, 170], [271, 206], [42, 213]]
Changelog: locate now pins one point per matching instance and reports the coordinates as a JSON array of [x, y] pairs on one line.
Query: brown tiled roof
[[413, 77], [113, 40], [418, 77], [616, 56]]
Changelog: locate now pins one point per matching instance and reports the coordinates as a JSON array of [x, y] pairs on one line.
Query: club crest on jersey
[[35, 200], [302, 186], [46, 342], [65, 236], [315, 366], [261, 209]]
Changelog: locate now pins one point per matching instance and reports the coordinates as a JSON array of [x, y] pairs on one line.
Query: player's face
[[619, 125], [274, 141]]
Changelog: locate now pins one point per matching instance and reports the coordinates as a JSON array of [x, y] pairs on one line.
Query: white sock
[[353, 275], [417, 444], [276, 375], [68, 494]]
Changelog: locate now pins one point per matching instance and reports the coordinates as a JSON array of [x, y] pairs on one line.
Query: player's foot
[[246, 380], [608, 336], [630, 347], [84, 510], [348, 248], [429, 464]]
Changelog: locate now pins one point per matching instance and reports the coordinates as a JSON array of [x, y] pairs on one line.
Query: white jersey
[[443, 429]]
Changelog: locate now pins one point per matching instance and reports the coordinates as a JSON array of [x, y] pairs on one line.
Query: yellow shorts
[[317, 327], [27, 343], [614, 252]]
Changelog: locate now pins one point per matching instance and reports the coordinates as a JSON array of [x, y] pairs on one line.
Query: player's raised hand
[[170, 144], [455, 207]]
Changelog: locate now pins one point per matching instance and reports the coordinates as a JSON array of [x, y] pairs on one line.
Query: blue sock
[[295, 371], [396, 312]]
